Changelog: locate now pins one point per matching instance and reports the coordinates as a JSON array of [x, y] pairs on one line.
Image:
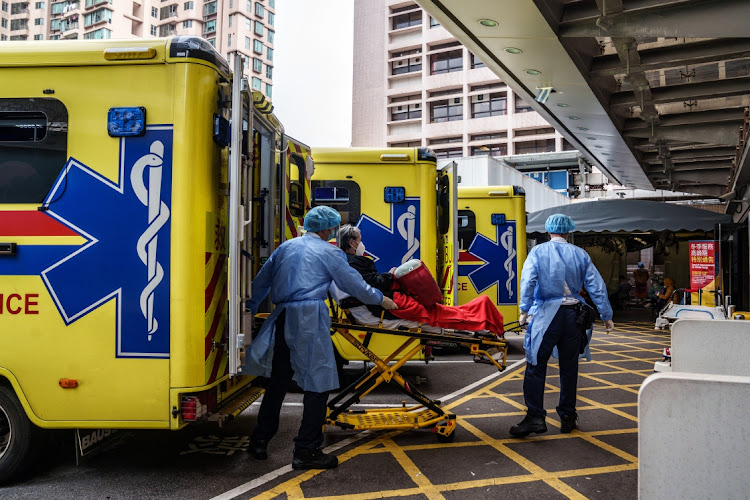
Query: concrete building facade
[[416, 85], [243, 27]]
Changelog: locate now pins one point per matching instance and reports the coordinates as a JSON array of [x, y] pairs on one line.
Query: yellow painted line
[[411, 469]]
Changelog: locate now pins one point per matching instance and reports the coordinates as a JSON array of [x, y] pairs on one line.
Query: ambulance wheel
[[17, 438]]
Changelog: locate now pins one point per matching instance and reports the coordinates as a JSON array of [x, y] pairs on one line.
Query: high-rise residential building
[[416, 85], [243, 27]]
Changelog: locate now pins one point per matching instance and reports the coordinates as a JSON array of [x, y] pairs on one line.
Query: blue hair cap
[[559, 224], [640, 265], [321, 218]]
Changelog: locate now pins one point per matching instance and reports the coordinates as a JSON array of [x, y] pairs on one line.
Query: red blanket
[[479, 314]]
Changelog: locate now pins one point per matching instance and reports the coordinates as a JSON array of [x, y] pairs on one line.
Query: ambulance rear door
[[447, 236]]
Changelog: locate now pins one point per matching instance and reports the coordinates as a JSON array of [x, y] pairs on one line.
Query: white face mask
[[360, 249]]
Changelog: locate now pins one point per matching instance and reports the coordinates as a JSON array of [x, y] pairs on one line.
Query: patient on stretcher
[[416, 305]]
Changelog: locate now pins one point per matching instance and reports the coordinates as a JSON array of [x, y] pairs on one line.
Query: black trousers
[[563, 333], [310, 434]]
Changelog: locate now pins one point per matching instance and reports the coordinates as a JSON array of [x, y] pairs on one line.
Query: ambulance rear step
[[237, 405]]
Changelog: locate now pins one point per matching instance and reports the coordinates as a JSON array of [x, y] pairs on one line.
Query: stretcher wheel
[[446, 439]]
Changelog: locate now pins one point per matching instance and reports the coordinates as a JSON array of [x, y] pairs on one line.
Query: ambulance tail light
[[193, 407]]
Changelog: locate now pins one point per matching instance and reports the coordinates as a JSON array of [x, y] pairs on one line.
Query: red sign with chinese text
[[702, 265]]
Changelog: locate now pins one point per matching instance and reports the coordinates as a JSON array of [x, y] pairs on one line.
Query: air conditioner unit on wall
[[456, 100]]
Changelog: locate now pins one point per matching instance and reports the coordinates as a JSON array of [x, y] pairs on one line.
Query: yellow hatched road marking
[[587, 397]]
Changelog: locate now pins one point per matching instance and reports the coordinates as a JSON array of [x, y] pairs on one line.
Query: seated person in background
[[661, 299], [477, 315], [618, 298]]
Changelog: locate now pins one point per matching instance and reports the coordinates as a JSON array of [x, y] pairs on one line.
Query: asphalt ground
[[598, 460]]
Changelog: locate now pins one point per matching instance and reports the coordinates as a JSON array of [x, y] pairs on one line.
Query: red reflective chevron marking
[[27, 223]]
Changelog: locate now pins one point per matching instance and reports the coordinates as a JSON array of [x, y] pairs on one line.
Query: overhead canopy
[[629, 216]]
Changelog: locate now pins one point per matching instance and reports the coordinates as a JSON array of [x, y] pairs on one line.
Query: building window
[[434, 23], [406, 112], [256, 83], [738, 67], [521, 106], [446, 92], [258, 28], [446, 62], [447, 110], [566, 146], [272, 4], [209, 26], [4, 23], [530, 147], [489, 137], [259, 10], [91, 3], [403, 66], [269, 71], [270, 36], [271, 18], [155, 12], [476, 63], [446, 140], [187, 6], [484, 105], [248, 25], [38, 37], [153, 30], [209, 8], [257, 47], [408, 144], [449, 153], [257, 65], [269, 53], [534, 131], [490, 150], [229, 40], [97, 16], [168, 11], [18, 24], [269, 89], [247, 42], [406, 20], [100, 34], [5, 6], [187, 24], [230, 20], [39, 21], [39, 5], [19, 8], [212, 41]]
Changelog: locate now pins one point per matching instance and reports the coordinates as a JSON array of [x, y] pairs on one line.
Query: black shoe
[[305, 459], [258, 449], [568, 423], [528, 425]]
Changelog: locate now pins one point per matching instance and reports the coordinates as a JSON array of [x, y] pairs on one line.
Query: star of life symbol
[[125, 259], [158, 214], [392, 245], [499, 266]]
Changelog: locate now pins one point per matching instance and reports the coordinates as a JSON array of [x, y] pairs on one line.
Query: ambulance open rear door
[[240, 216], [447, 237]]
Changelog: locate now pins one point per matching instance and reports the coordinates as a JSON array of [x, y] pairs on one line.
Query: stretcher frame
[[428, 412]]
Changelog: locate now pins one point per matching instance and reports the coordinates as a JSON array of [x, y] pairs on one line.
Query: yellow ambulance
[[492, 245], [126, 231], [402, 205], [472, 239]]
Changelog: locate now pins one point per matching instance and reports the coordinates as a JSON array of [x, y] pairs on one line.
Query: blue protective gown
[[548, 268], [298, 275]]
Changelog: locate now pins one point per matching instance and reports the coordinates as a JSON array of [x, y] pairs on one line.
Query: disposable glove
[[523, 318], [609, 325], [388, 304]]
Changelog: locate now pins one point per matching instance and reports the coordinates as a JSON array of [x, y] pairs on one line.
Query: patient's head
[[350, 240]]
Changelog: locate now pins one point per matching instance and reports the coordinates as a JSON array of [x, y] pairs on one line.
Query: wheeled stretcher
[[427, 412]]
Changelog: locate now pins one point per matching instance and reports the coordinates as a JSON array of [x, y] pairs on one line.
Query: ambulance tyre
[[18, 438]]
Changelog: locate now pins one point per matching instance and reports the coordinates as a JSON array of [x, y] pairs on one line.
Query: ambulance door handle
[[7, 248]]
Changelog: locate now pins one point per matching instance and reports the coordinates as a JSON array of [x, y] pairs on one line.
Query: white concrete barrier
[[711, 346], [694, 436]]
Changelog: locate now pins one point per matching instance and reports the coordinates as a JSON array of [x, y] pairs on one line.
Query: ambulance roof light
[[126, 122], [129, 53], [426, 154]]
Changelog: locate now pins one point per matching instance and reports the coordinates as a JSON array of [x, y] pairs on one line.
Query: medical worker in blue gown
[[551, 280], [295, 341]]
